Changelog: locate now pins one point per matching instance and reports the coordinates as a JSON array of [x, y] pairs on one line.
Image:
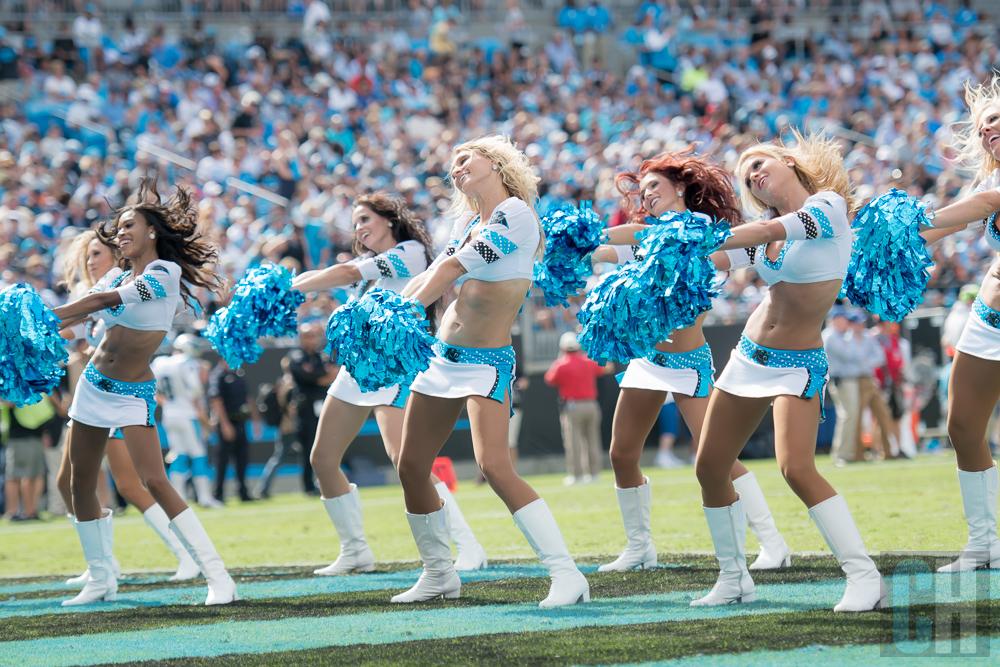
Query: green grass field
[[287, 616]]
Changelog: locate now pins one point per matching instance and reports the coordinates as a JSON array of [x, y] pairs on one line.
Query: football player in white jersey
[[180, 387]]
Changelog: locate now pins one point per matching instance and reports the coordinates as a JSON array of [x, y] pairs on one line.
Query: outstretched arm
[[968, 209], [625, 234], [431, 285], [328, 278], [72, 313], [752, 234]]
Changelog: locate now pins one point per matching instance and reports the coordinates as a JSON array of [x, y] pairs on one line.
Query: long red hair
[[707, 188]]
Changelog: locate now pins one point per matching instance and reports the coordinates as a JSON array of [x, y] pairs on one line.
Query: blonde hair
[[968, 143], [516, 173], [75, 260], [817, 163]]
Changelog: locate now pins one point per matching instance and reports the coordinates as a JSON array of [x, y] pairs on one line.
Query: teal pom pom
[[888, 273], [571, 236], [263, 304], [642, 303], [381, 338], [32, 353]]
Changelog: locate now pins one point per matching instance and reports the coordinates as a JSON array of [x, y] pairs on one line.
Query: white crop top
[[990, 223], [504, 249], [148, 303], [394, 268], [817, 246]]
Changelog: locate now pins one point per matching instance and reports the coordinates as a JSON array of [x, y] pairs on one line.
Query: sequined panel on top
[[986, 314], [398, 263], [115, 284], [144, 390]]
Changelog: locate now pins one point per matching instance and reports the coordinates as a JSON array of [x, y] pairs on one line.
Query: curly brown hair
[[177, 236], [707, 187], [406, 226]]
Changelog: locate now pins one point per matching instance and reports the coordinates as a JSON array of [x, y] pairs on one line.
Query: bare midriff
[[483, 313], [124, 353], [685, 340], [791, 316]]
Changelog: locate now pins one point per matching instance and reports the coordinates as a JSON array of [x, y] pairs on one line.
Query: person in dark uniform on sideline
[[312, 376], [230, 409]]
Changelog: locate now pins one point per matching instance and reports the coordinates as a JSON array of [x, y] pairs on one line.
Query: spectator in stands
[[598, 24], [229, 407], [560, 54], [575, 378]]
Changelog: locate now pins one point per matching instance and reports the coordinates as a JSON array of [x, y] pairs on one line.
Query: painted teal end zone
[[407, 624], [900, 654], [261, 590], [414, 624]]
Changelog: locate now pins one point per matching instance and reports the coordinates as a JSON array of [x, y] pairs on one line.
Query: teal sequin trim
[[986, 314], [144, 390], [500, 358], [115, 284], [158, 289], [814, 361], [503, 244], [776, 264], [698, 360], [824, 222], [398, 264]]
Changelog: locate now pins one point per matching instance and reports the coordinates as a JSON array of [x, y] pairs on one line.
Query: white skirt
[[644, 374], [979, 339], [346, 389], [449, 379], [743, 377], [116, 404]]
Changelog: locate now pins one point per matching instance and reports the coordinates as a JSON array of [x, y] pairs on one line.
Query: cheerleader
[[974, 385], [802, 251], [392, 247], [682, 366], [489, 258], [89, 258], [163, 255]]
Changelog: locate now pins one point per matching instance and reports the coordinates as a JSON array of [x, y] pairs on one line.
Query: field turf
[[908, 512]]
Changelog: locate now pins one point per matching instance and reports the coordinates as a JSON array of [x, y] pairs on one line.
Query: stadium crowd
[[278, 136]]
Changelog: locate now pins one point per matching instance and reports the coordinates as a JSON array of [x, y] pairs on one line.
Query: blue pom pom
[[888, 273], [32, 353], [571, 235], [263, 304], [642, 303], [381, 338]]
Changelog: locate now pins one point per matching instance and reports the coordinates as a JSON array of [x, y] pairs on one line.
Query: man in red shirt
[[575, 378]]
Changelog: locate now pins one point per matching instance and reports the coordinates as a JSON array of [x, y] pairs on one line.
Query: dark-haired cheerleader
[[681, 366], [392, 247], [162, 255]]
